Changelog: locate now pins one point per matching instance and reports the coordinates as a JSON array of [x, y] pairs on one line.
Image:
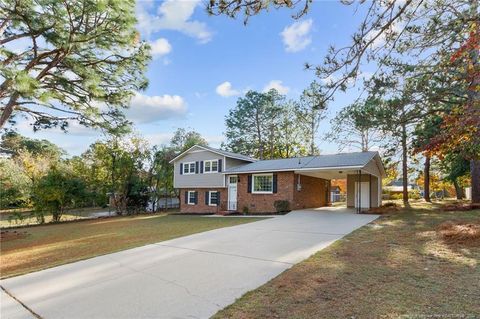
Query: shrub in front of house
[[282, 206]]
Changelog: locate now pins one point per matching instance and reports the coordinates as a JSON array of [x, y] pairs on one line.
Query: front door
[[232, 193]]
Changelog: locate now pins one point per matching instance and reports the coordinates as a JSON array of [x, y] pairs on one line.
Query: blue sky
[[202, 64]]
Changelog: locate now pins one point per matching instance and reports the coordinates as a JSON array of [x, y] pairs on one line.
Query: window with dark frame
[[213, 198], [210, 166], [191, 198], [262, 184], [189, 168]]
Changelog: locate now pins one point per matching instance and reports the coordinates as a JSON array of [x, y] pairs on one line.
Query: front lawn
[[397, 266], [35, 248]]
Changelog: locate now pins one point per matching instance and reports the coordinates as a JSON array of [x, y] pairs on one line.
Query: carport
[[305, 181], [363, 173]]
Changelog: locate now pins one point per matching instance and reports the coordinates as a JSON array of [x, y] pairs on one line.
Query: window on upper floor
[[189, 168], [210, 166]]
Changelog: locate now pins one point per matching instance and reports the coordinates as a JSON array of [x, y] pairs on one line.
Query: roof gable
[[216, 151]]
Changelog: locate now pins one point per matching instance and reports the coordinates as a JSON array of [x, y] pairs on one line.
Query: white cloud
[[172, 15], [296, 36], [395, 29], [160, 47], [277, 85], [329, 79], [215, 140], [158, 138], [225, 89], [147, 109]]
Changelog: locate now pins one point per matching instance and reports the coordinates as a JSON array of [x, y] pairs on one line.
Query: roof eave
[[330, 168]]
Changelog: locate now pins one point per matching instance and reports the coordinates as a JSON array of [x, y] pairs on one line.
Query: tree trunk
[[474, 103], [404, 164], [259, 133], [426, 179], [458, 189], [312, 142], [475, 173], [8, 109]]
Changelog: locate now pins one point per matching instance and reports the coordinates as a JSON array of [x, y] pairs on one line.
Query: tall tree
[[311, 111], [183, 139], [292, 133], [398, 110], [352, 127], [424, 132], [251, 123], [83, 61]]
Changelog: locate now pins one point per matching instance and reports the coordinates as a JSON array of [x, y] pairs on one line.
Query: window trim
[[188, 197], [253, 184], [210, 198], [205, 165], [230, 176], [187, 164]]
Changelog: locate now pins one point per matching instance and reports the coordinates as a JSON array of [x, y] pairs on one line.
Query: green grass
[[45, 246], [397, 266]]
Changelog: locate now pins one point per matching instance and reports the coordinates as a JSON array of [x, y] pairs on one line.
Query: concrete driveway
[[189, 277]]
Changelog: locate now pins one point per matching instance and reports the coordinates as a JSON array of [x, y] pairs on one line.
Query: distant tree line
[[121, 170]]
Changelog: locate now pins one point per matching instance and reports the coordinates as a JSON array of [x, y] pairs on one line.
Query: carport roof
[[334, 161]]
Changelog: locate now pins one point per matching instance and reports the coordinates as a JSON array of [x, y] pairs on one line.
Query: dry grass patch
[[397, 266], [56, 244], [460, 232]]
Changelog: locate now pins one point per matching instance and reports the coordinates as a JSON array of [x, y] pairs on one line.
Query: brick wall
[[201, 207], [263, 203], [312, 194]]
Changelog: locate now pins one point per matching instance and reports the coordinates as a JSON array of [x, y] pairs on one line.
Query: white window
[[262, 184], [212, 198], [189, 168], [210, 166], [191, 198], [232, 179]]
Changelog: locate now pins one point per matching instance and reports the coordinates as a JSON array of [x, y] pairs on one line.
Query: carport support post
[[370, 192], [359, 190]]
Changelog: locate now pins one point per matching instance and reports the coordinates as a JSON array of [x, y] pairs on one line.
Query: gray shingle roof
[[357, 159]]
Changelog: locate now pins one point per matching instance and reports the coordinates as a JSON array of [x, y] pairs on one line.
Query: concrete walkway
[[188, 277]]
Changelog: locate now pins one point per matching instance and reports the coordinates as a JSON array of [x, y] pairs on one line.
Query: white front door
[[232, 192], [362, 201]]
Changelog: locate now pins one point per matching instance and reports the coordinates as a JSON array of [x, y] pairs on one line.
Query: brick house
[[212, 180]]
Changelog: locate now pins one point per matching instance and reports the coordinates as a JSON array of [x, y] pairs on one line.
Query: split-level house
[[212, 180]]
